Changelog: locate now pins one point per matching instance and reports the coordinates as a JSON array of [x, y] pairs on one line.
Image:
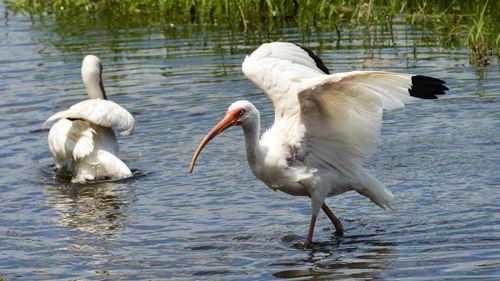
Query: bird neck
[[251, 130], [92, 78], [94, 90]]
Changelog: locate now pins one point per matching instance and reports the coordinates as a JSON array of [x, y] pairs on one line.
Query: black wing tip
[[317, 60], [426, 87]]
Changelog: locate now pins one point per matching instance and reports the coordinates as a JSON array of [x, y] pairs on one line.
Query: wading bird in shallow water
[[326, 126], [83, 141]]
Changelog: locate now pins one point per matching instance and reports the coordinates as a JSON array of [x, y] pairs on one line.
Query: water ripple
[[440, 158]]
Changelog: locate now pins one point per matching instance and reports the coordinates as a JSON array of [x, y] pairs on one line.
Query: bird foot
[[306, 245]]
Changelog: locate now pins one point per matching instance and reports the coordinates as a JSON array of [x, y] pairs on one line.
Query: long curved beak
[[228, 121], [101, 85]]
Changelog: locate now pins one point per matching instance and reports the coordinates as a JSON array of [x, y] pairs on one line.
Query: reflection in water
[[92, 208], [363, 256]]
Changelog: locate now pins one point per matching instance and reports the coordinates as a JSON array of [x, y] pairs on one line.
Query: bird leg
[[336, 222], [310, 233]]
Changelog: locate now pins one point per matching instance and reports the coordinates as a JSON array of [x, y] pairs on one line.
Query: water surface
[[440, 158]]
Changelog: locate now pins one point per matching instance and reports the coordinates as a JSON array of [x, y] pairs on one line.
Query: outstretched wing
[[342, 113], [338, 116], [278, 69], [101, 112]]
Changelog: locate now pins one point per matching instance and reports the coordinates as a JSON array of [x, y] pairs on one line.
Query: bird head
[[243, 111], [240, 113], [92, 77]]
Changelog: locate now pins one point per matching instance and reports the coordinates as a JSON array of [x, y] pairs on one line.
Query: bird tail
[[374, 189]]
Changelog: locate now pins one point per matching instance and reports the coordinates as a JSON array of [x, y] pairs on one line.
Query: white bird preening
[[83, 141], [326, 126]]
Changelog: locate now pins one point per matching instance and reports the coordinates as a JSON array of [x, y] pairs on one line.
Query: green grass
[[471, 23], [476, 40]]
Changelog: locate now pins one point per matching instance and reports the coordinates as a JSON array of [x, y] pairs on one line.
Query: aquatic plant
[[475, 39], [451, 19]]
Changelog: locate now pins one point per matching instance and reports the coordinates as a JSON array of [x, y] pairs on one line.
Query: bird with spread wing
[[83, 141], [326, 126]]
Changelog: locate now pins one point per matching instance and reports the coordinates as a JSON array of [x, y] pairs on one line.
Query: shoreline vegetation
[[474, 24]]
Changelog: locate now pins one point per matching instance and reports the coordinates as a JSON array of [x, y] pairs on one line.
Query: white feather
[[104, 113], [83, 142], [277, 69], [335, 119], [100, 165], [343, 114], [70, 140]]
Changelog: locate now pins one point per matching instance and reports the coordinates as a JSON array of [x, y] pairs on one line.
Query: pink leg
[[336, 222], [310, 233]]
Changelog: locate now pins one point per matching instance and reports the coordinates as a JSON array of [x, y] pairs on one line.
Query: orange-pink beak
[[231, 119]]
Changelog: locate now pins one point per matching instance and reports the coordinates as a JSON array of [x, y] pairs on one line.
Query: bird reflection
[[357, 256], [93, 208]]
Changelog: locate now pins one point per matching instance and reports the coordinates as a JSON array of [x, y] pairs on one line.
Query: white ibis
[[326, 126], [83, 141]]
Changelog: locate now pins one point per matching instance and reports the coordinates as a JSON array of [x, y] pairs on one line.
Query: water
[[440, 158]]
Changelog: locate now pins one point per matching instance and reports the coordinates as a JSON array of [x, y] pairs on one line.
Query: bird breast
[[284, 165], [296, 155]]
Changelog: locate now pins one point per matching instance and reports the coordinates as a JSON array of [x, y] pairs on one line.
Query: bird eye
[[240, 112]]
